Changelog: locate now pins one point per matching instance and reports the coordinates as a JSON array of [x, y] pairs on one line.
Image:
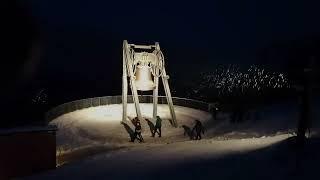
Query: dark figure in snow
[[157, 127], [151, 126], [188, 131], [214, 110], [197, 130], [214, 113], [137, 130], [129, 131], [135, 121]]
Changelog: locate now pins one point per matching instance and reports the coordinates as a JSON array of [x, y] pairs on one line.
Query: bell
[[144, 80]]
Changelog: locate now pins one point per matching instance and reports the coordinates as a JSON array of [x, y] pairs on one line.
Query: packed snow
[[100, 127], [253, 158], [94, 145]]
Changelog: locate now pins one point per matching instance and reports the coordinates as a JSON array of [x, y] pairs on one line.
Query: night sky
[[78, 44]]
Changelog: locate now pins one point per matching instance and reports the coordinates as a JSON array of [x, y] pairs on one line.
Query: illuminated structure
[[144, 69]]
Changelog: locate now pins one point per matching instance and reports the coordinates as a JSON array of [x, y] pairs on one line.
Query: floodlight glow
[[96, 125]]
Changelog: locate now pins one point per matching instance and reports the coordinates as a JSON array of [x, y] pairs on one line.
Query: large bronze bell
[[144, 80]]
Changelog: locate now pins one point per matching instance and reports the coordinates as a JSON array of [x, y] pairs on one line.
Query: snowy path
[[205, 158], [218, 156]]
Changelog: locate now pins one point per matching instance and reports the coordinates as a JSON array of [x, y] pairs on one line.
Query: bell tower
[[144, 70]]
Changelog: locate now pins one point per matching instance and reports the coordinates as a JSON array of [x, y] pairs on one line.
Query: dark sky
[[81, 41]]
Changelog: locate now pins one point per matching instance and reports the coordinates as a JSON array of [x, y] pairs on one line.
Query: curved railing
[[105, 100]]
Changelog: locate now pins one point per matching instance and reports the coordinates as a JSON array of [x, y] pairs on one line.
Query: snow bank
[[101, 125]]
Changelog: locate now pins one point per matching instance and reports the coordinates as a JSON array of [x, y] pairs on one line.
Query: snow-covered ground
[[253, 158], [97, 146], [101, 125], [98, 128]]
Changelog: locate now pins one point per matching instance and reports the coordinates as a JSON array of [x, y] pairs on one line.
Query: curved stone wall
[[105, 100]]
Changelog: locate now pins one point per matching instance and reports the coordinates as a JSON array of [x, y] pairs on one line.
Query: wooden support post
[[156, 90], [155, 98], [169, 98], [129, 65], [132, 81], [124, 89]]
